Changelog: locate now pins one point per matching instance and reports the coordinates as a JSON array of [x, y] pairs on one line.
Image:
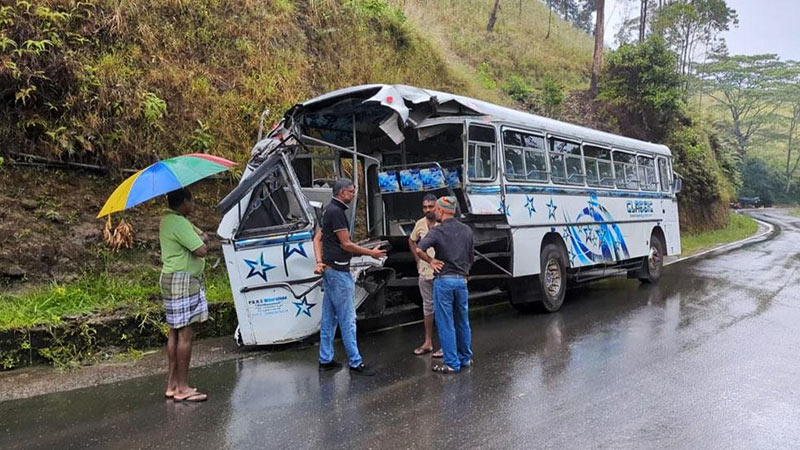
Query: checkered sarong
[[184, 299]]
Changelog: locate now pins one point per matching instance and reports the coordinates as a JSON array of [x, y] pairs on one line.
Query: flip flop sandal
[[419, 351], [173, 395], [438, 354], [195, 397], [444, 368]]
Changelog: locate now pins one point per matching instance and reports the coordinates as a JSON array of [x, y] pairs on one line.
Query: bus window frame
[[577, 142], [492, 145], [655, 185], [613, 184], [635, 165], [666, 161], [539, 134]]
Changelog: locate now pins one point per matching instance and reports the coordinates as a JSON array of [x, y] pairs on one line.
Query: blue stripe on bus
[[272, 240], [527, 189]]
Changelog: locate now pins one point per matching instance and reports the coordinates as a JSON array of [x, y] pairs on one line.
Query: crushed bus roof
[[388, 95]]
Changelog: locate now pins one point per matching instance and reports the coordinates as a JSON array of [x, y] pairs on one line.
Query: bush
[[643, 79], [695, 162], [551, 96], [518, 89]]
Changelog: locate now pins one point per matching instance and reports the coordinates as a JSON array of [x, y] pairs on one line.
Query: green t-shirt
[[179, 238]]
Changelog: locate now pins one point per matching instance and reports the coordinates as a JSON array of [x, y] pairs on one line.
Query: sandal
[[194, 397], [443, 368], [419, 351], [170, 396], [438, 354]]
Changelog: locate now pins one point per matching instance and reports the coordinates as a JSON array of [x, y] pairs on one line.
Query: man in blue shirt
[[454, 244], [334, 249]]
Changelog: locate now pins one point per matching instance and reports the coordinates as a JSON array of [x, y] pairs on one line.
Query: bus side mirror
[[677, 185]]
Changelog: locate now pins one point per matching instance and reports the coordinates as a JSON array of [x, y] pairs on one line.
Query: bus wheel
[[553, 277], [654, 261]]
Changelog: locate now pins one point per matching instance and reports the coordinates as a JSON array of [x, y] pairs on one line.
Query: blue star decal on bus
[[503, 208], [291, 249], [588, 234], [551, 209], [304, 307], [529, 205], [259, 267]]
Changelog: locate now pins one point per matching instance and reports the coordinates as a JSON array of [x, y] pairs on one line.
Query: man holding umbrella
[[183, 251]]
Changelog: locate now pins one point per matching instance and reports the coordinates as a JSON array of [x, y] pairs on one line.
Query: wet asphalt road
[[708, 358]]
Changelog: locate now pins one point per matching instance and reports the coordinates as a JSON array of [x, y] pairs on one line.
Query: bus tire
[[653, 263], [553, 276]]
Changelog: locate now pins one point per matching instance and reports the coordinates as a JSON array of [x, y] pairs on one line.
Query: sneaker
[[362, 370], [469, 363], [332, 365]]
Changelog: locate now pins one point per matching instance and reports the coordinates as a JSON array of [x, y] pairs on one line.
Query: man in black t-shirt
[[454, 244], [334, 249]]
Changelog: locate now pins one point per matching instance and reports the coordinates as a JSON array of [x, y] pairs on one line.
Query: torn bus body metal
[[397, 143]]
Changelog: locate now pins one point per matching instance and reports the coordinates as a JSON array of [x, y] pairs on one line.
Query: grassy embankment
[[103, 293], [739, 227]]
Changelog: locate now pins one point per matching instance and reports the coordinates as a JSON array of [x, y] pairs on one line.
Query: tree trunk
[[597, 61], [642, 20], [549, 18], [493, 17], [789, 144]]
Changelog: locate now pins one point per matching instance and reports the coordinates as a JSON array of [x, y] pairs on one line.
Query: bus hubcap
[[552, 278]]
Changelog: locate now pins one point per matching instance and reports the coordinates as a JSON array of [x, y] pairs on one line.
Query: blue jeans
[[338, 308], [452, 320]]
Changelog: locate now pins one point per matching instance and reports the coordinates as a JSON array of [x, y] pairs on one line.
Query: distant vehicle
[[550, 203], [747, 202]]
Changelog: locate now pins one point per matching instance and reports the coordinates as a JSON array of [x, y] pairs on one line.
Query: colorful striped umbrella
[[162, 177]]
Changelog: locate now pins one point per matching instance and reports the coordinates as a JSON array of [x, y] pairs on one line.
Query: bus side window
[[566, 162], [598, 166], [480, 153], [625, 170], [525, 158], [647, 173], [663, 169]]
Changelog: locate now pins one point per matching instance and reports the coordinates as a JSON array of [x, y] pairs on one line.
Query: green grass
[[518, 48], [795, 212], [739, 227], [104, 293]]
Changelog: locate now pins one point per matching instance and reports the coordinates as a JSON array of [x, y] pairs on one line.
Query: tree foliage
[[642, 78], [687, 25], [759, 180], [744, 86], [788, 94]]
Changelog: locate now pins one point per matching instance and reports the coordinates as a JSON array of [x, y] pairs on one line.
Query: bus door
[[482, 181]]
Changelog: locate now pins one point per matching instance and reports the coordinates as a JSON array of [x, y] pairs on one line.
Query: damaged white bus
[[550, 203]]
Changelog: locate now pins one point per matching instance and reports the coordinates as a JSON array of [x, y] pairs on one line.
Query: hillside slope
[[121, 83]]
